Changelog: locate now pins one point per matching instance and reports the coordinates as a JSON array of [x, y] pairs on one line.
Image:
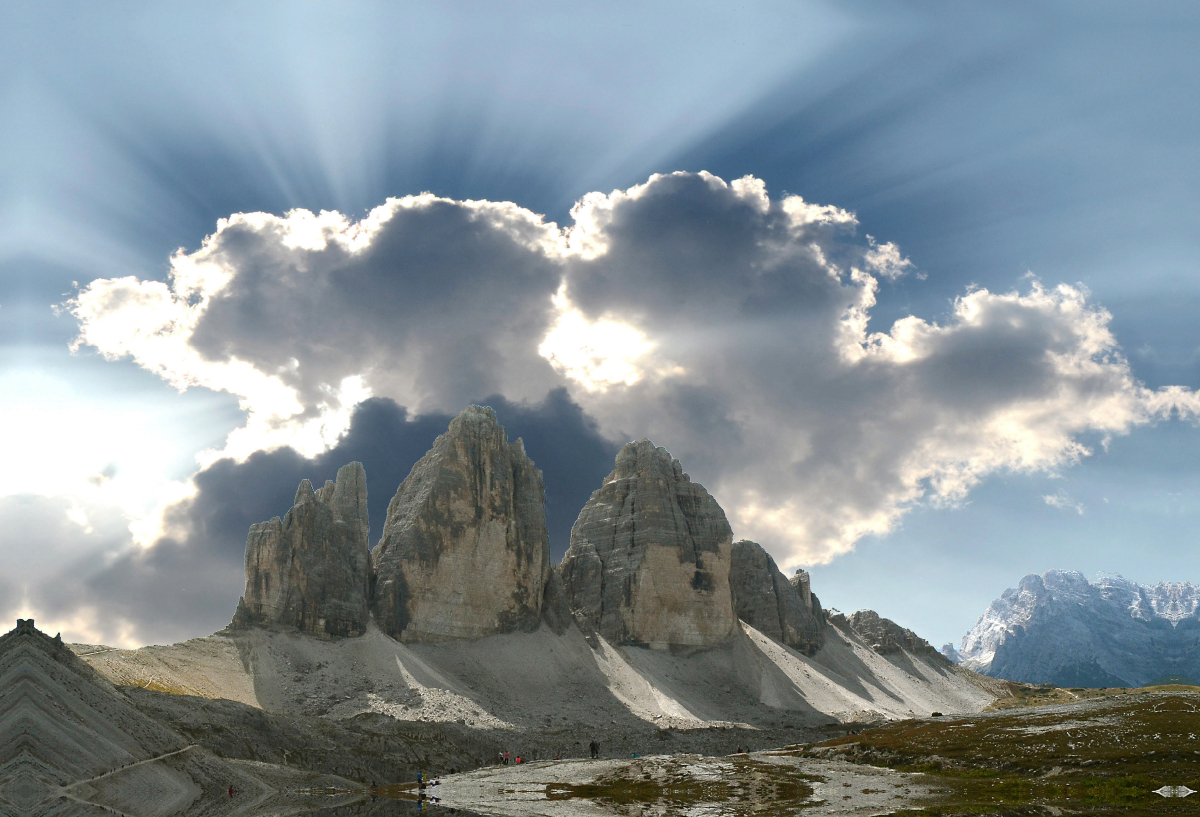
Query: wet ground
[[1119, 752]]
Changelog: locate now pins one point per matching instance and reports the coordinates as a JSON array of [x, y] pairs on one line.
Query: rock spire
[[464, 552], [311, 570], [649, 557], [786, 611]]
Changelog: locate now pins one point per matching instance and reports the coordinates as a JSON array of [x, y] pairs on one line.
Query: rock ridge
[[885, 636], [465, 554]]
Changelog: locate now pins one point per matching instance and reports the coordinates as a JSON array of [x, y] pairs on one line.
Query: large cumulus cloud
[[730, 327], [814, 430], [428, 301]]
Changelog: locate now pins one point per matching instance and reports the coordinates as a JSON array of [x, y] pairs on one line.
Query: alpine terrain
[[1059, 628]]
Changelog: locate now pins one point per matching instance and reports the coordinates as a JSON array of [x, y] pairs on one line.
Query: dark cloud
[[310, 304], [564, 443], [688, 247]]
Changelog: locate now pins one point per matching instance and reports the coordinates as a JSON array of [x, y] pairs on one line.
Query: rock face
[[311, 570], [649, 558], [464, 553], [885, 636], [1059, 628], [763, 598]]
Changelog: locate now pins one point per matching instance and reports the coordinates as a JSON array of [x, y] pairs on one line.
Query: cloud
[[428, 301], [812, 430], [733, 328], [187, 582], [1063, 502]]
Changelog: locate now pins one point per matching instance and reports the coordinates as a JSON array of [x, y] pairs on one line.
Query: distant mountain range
[[1061, 629]]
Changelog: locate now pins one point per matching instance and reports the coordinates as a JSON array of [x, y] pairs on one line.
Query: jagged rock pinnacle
[[311, 570], [649, 556], [464, 553]]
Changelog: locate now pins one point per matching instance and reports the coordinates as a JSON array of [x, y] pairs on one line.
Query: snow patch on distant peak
[[1172, 601]]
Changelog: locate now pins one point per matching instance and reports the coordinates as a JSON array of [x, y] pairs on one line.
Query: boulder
[[649, 558], [464, 552], [765, 599], [311, 570]]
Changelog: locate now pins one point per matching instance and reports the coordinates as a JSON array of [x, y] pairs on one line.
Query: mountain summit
[[1059, 628]]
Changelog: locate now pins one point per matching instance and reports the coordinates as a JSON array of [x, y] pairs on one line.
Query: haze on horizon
[[911, 293]]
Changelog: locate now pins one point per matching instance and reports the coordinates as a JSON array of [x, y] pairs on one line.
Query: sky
[[909, 287]]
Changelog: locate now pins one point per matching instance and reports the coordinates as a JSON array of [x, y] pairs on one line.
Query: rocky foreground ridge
[[73, 744], [1059, 628]]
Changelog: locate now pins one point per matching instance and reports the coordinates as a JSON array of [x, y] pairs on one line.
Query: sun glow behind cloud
[[598, 354], [64, 442]]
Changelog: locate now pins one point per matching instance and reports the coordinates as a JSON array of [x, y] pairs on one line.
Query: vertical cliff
[[464, 552], [649, 557], [311, 570], [786, 611]]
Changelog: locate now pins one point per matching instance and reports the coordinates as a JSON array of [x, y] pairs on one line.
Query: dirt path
[[154, 759]]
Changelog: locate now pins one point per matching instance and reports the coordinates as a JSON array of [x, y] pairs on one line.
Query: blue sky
[[986, 142]]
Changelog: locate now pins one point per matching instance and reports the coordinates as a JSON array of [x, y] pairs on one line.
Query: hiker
[[595, 749], [518, 760], [506, 758], [231, 791]]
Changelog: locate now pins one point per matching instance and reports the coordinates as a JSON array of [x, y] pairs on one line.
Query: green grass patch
[[1105, 753]]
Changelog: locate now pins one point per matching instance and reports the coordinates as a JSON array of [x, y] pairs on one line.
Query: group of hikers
[[505, 758], [423, 783]]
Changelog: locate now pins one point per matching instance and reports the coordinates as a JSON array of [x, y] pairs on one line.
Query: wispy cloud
[[1063, 502]]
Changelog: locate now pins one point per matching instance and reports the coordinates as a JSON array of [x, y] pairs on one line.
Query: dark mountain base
[[378, 750]]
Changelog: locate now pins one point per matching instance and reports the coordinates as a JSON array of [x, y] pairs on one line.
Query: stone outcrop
[[72, 744], [885, 636], [464, 552], [311, 570], [649, 558], [764, 598]]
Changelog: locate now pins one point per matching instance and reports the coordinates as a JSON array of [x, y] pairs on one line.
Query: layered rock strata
[[311, 570], [649, 558], [464, 552], [786, 611]]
